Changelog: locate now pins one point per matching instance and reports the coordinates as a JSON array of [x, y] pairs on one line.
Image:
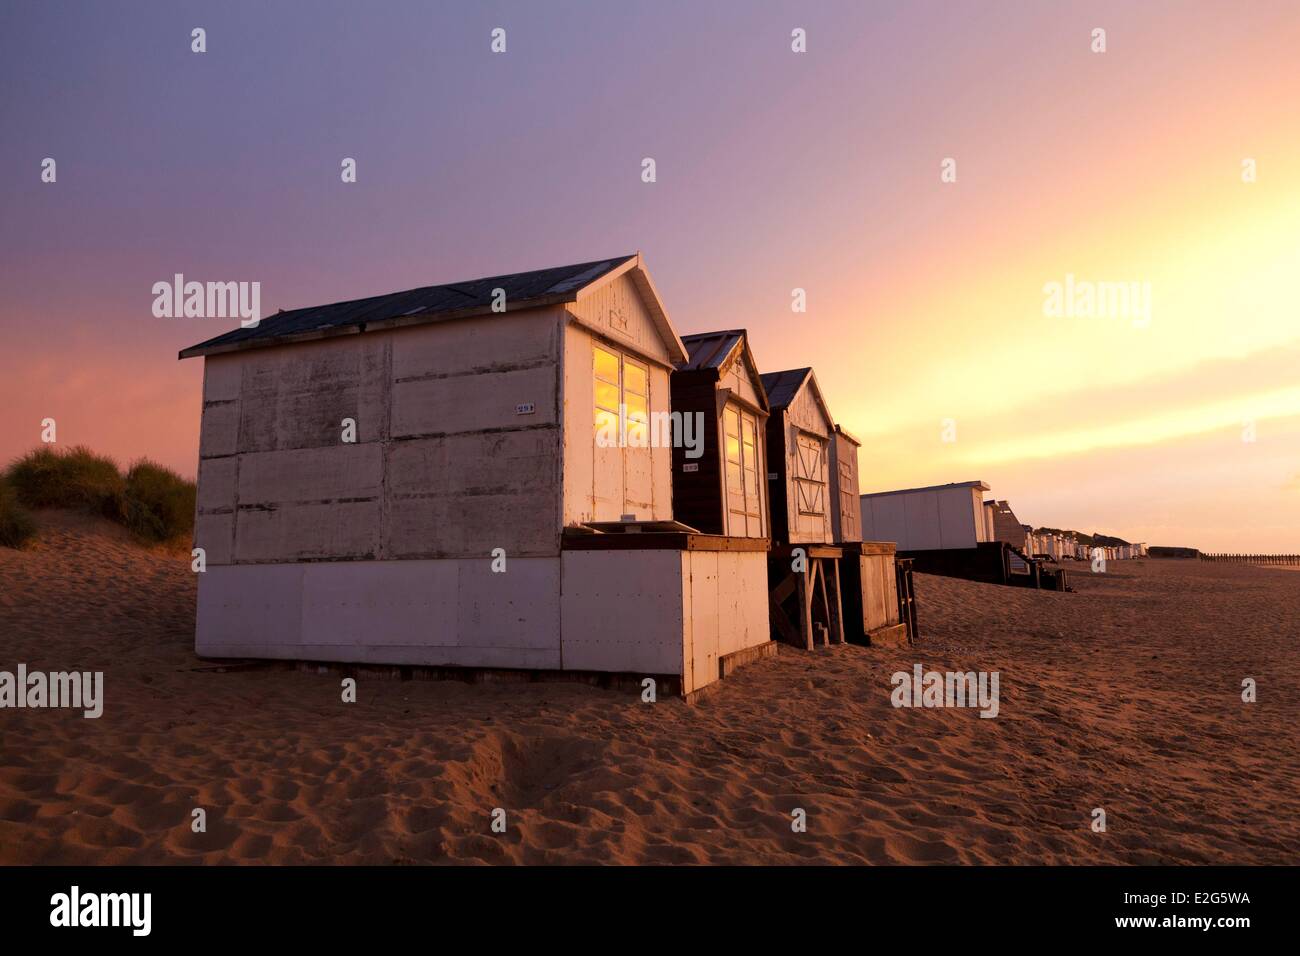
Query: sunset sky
[[775, 170]]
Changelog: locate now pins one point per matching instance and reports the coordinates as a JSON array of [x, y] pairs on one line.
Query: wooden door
[[850, 513], [744, 472], [810, 461]]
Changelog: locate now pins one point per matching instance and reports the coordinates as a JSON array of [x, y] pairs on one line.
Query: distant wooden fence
[[1265, 559]]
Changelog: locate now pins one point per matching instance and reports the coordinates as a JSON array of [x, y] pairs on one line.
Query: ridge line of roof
[[357, 315]]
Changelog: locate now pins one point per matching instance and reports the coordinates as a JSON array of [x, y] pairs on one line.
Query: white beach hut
[[468, 475], [951, 530], [924, 519]]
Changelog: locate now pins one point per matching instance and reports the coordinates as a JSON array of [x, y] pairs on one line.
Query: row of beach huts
[[952, 530], [535, 475], [1063, 546]]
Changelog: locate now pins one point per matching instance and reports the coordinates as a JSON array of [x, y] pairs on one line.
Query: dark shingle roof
[[720, 352], [710, 349], [521, 288], [781, 387]]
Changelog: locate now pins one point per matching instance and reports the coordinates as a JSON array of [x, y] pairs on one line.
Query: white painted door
[[810, 485], [743, 473]]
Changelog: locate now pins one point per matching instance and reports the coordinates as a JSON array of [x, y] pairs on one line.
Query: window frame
[[639, 420], [749, 467]]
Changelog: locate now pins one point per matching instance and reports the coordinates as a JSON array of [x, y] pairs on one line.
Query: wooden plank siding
[[719, 383], [846, 516], [799, 435], [698, 498]]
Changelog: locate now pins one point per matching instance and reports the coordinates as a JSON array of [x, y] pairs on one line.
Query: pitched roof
[[710, 349], [782, 387], [425, 304], [718, 351], [843, 432]]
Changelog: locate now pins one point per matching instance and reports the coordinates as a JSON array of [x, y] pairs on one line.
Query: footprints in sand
[[412, 773]]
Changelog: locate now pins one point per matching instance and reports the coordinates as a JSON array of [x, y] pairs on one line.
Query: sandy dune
[[1125, 696]]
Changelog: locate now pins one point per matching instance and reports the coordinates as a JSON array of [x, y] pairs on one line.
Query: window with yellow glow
[[744, 506], [622, 399]]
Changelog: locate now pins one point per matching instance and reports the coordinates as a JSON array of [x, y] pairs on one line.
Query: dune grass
[[77, 478], [17, 527], [158, 504], [153, 502]]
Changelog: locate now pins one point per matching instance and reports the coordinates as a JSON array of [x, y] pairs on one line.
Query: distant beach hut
[[803, 574], [947, 529], [468, 475]]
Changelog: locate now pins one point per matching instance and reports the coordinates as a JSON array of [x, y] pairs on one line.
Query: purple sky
[[775, 171]]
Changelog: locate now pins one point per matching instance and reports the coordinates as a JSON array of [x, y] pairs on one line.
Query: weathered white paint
[[504, 341], [216, 485], [662, 612], [622, 611], [215, 534], [657, 612], [461, 494], [380, 551], [304, 475], [661, 457], [454, 612], [297, 396], [726, 609], [219, 429], [846, 517], [443, 460], [879, 590], [744, 491], [739, 377], [605, 483], [324, 530], [616, 310], [473, 402], [808, 434], [222, 378]]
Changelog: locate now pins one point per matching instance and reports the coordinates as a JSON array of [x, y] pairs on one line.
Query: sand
[[1124, 696]]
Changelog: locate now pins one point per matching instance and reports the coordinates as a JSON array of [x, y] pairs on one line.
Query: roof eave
[[402, 321], [845, 433], [756, 377], [641, 277]]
